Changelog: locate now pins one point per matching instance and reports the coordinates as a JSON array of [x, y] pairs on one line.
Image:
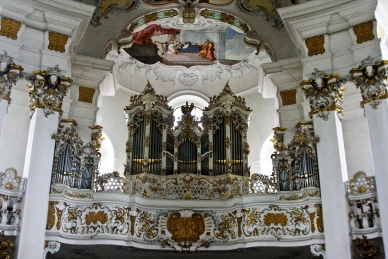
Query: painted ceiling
[[117, 21], [111, 18]]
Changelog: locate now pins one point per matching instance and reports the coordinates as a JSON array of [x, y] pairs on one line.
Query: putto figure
[[8, 76]]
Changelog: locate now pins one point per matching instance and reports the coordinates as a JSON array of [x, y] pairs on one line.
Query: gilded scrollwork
[[47, 90], [186, 229], [325, 93], [8, 75], [51, 215], [95, 219], [371, 78]]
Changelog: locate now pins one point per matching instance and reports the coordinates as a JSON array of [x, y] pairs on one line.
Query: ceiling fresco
[[188, 48], [187, 38]]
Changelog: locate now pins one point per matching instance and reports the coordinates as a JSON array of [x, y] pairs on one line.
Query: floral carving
[[47, 90], [371, 78], [325, 93]]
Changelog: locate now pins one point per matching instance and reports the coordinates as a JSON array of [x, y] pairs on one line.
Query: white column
[[378, 131], [332, 175], [3, 112], [37, 169]]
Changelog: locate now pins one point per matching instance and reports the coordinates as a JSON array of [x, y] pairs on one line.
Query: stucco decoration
[[8, 76], [262, 8], [47, 90], [10, 28], [317, 250], [371, 78], [115, 7], [187, 77], [325, 93], [188, 229]]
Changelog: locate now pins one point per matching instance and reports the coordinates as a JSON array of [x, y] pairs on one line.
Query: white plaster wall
[[111, 112], [357, 146], [263, 119], [16, 126]]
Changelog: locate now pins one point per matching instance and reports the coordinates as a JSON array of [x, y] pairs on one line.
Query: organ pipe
[[211, 145]]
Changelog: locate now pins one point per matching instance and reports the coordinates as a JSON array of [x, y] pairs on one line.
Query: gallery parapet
[[185, 186], [364, 216], [12, 188]]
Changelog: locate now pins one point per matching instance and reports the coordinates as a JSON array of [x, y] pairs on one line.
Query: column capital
[[8, 75], [371, 78], [325, 93], [47, 90]]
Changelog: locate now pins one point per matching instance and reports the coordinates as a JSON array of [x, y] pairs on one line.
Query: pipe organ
[[295, 165], [215, 144]]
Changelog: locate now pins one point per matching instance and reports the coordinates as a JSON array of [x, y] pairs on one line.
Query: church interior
[[193, 128]]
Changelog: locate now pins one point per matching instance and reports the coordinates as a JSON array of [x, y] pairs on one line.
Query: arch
[[107, 155], [265, 156]]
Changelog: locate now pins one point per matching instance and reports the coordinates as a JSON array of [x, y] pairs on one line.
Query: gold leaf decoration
[[51, 215], [275, 218], [315, 45], [364, 32], [288, 97], [57, 42], [94, 217], [9, 28], [86, 94], [319, 219], [185, 229]]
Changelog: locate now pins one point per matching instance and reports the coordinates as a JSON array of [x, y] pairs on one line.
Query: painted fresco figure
[[207, 50]]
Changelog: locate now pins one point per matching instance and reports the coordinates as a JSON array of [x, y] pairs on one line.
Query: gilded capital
[[47, 90], [325, 93], [371, 78], [8, 75]]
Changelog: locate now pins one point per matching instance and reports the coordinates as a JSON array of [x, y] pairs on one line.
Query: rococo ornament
[[47, 90], [371, 78], [6, 247], [8, 76], [325, 93]]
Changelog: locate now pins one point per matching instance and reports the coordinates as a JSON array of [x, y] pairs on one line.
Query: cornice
[[313, 18], [66, 17]]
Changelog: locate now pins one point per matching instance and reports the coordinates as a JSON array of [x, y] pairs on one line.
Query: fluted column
[[8, 76], [371, 78], [324, 93], [47, 90]]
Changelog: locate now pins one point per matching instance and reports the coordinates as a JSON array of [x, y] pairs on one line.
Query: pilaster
[[325, 95], [371, 78], [47, 90]]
